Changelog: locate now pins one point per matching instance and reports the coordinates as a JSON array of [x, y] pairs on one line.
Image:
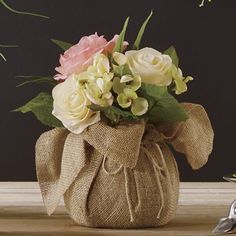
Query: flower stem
[[21, 12], [2, 56], [202, 3], [8, 46]]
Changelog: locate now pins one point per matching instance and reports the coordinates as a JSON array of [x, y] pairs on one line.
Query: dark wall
[[205, 39]]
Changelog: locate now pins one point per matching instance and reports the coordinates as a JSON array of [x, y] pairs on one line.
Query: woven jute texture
[[123, 176]]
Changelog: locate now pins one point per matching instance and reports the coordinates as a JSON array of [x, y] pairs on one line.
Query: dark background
[[205, 39]]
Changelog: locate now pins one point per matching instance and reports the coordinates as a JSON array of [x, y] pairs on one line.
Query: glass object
[[227, 224]]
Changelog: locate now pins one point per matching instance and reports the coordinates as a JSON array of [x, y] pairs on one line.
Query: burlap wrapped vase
[[123, 176]]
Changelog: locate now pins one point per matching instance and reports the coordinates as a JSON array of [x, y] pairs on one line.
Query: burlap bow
[[58, 165]]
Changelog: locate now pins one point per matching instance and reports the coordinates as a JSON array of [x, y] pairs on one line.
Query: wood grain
[[197, 193], [22, 212]]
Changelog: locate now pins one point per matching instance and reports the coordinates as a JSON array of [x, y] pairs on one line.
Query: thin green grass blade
[[140, 33], [36, 80], [119, 43], [2, 56], [61, 44], [8, 46], [21, 12]]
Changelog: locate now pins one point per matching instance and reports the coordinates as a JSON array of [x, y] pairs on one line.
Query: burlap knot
[[63, 159]]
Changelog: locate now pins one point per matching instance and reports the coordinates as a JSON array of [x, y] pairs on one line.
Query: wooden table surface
[[200, 207]]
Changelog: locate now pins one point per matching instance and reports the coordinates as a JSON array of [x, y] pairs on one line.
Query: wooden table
[[200, 207]]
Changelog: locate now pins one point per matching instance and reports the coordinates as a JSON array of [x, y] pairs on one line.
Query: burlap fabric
[[123, 176]]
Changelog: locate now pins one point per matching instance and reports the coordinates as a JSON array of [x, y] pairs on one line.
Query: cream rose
[[70, 106], [151, 65]]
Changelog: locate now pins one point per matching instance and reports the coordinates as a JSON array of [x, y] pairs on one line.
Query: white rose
[[151, 65], [70, 106]]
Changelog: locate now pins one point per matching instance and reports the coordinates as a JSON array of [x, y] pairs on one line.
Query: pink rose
[[80, 56]]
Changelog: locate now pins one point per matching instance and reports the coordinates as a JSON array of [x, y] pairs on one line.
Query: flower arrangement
[[114, 110], [112, 80]]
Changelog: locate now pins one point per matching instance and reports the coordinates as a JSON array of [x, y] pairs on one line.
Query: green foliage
[[163, 107], [153, 90], [21, 12], [41, 106], [173, 54], [140, 33], [61, 44], [122, 70], [36, 80], [114, 114], [119, 43]]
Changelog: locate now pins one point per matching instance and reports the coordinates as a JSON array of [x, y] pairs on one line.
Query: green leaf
[[114, 114], [2, 56], [167, 110], [119, 43], [140, 33], [21, 12], [41, 106], [173, 54], [36, 80], [163, 107], [154, 91], [61, 44], [122, 70]]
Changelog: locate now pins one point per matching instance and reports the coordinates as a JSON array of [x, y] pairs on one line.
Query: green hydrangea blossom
[[126, 81], [139, 105], [97, 81], [179, 81]]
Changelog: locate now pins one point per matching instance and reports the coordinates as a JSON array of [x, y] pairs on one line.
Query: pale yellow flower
[[139, 106], [119, 58], [179, 80], [70, 106], [129, 98], [126, 81], [126, 98], [151, 65], [97, 81]]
